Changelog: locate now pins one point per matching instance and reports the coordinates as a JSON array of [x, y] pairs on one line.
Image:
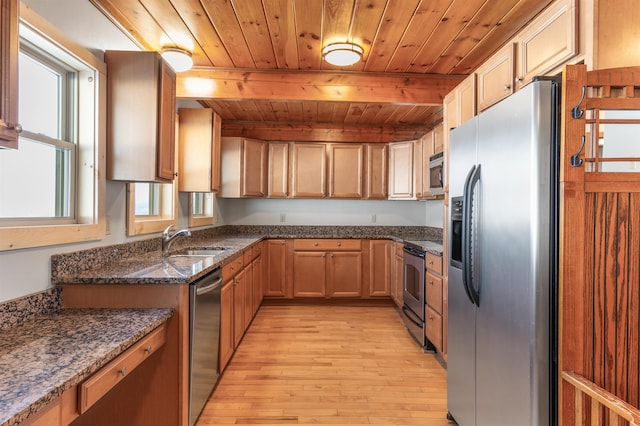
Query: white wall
[[323, 212]]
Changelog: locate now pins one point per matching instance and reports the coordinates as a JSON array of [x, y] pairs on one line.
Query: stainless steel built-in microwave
[[435, 174]]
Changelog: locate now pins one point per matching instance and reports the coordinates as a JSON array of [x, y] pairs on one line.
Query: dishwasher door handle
[[208, 289]]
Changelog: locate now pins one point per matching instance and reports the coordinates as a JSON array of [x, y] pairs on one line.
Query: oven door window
[[412, 282]]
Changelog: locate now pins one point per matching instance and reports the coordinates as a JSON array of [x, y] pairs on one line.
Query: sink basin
[[199, 252]]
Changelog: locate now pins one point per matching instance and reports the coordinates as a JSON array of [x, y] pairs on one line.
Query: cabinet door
[[166, 123], [418, 168], [257, 285], [379, 267], [401, 170], [226, 324], [344, 274], [254, 163], [375, 171], [309, 274], [278, 173], [450, 121], [275, 283], [199, 159], [216, 155], [548, 42], [308, 170], [345, 170], [248, 295], [466, 94], [238, 307], [495, 77], [9, 128], [398, 281], [427, 152]]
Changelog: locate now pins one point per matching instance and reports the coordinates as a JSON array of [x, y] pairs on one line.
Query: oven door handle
[[467, 229], [411, 316]]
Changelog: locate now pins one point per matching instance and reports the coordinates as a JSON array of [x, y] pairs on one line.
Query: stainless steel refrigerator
[[503, 258]]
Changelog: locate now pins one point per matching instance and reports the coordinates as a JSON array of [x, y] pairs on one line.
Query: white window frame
[[90, 184]]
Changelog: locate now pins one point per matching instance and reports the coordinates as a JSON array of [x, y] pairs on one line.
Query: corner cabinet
[[199, 141], [9, 127], [141, 99], [244, 168]]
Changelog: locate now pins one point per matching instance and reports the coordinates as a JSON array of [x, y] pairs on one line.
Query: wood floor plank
[[352, 365]]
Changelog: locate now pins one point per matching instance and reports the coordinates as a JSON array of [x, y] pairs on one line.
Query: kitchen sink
[[200, 252]]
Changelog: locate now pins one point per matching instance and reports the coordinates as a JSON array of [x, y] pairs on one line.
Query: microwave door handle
[[471, 288]]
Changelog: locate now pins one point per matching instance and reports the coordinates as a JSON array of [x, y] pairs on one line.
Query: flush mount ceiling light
[[179, 59], [342, 54]]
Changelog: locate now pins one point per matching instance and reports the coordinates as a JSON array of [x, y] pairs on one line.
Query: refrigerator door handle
[[467, 274]]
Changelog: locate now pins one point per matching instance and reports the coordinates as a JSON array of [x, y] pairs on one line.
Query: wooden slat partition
[[600, 399], [599, 294]]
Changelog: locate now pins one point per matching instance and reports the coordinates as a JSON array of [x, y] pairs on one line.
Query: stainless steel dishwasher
[[204, 332]]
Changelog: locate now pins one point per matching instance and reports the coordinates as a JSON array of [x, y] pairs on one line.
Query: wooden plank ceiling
[[258, 63]]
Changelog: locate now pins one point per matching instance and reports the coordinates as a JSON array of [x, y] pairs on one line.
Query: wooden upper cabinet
[[308, 170], [496, 77], [244, 166], [438, 138], [548, 42], [418, 168], [375, 171], [9, 127], [199, 142], [141, 98], [427, 152], [401, 170], [278, 173], [466, 94], [345, 170]]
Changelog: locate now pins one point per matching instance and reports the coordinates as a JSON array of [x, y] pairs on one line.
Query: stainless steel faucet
[[167, 239]]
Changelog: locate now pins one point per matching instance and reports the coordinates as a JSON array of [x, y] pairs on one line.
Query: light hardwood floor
[[329, 365]]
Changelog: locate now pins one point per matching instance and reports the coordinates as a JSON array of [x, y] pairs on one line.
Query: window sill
[[21, 237]]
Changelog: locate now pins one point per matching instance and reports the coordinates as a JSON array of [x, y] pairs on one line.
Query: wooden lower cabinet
[[398, 275], [434, 319], [226, 325], [327, 268], [379, 268], [275, 268], [256, 284]]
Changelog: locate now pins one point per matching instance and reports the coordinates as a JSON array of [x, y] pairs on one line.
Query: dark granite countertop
[[49, 354], [152, 268], [432, 247]]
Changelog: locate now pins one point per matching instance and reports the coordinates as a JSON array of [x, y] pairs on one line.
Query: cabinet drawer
[[434, 263], [433, 286], [233, 267], [95, 387], [327, 244], [433, 327], [247, 257], [257, 250]]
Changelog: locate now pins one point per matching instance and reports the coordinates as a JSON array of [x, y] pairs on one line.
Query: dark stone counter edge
[[32, 409], [110, 275]]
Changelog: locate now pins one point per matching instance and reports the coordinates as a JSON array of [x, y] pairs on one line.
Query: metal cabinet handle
[[123, 371], [331, 254], [507, 87], [281, 243], [519, 79], [430, 282], [339, 243], [148, 349], [316, 244], [431, 262]]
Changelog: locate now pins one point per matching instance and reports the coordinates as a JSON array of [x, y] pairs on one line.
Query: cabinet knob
[[430, 282], [339, 243], [281, 243], [431, 317], [331, 254], [316, 244], [148, 349], [431, 262], [324, 254], [16, 127], [519, 79], [507, 87], [123, 371]]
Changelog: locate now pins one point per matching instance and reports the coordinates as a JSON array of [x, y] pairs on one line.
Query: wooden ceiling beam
[[319, 132], [319, 86]]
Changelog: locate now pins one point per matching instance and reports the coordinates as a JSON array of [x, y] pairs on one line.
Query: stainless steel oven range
[[413, 309]]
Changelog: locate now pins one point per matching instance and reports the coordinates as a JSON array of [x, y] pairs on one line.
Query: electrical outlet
[[283, 217], [373, 218]]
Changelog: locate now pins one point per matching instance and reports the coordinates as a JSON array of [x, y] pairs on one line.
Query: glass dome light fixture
[[179, 58], [342, 54]]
